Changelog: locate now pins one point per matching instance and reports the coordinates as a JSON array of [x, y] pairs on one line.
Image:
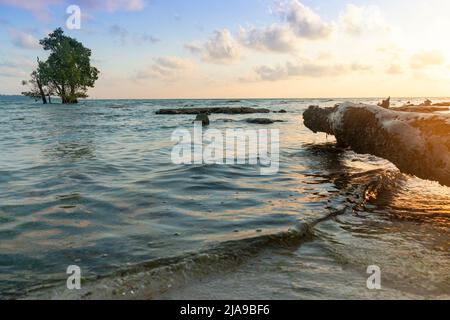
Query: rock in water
[[417, 143], [261, 121], [203, 118], [385, 103], [223, 110]]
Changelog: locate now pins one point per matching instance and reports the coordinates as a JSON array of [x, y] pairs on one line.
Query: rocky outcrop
[[422, 109], [385, 103], [426, 107], [442, 104], [417, 143], [216, 110], [261, 121]]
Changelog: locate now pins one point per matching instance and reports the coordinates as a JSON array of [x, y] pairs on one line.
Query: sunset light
[[225, 159]]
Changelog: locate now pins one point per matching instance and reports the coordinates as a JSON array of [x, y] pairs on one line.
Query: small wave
[[151, 279]]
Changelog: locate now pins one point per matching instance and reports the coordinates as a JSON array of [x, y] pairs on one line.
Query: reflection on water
[[93, 185], [397, 222]]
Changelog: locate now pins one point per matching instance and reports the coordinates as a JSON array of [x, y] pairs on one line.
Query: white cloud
[[38, 7], [221, 48], [394, 69], [426, 59], [193, 48], [114, 5], [357, 20], [167, 69], [145, 38], [24, 40], [272, 73], [134, 5], [273, 38], [11, 72], [119, 32], [298, 24], [123, 35], [304, 22], [19, 68], [307, 69]]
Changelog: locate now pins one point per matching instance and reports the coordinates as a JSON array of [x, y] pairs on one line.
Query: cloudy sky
[[242, 48]]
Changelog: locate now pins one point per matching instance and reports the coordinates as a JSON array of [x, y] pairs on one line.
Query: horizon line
[[251, 98]]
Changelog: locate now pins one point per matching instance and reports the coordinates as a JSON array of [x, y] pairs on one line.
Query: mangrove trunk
[[41, 91]]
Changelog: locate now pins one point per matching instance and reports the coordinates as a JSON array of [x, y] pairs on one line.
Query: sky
[[241, 48]]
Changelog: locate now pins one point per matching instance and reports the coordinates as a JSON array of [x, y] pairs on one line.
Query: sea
[[94, 186]]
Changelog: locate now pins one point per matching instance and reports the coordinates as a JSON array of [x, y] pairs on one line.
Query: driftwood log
[[417, 143]]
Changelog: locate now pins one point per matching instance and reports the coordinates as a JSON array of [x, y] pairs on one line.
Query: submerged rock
[[417, 143], [203, 118], [261, 121], [215, 110], [225, 120]]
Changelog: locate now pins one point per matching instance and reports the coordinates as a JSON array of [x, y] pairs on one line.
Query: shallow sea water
[[93, 185]]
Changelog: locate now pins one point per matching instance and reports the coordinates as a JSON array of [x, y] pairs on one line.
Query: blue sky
[[241, 48]]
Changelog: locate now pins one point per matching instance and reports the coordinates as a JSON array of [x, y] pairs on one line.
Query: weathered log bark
[[417, 143]]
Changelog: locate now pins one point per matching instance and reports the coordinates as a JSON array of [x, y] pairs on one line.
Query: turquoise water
[[94, 185]]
